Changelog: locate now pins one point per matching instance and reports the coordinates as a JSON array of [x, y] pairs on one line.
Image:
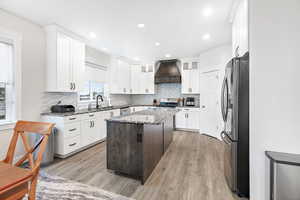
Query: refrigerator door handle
[[223, 136], [224, 108]]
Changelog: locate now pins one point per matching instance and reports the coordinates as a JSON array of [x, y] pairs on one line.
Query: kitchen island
[[136, 142]]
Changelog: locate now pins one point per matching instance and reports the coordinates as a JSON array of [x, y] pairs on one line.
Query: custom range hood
[[168, 72]]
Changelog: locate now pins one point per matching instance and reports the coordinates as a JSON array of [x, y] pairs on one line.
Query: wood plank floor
[[191, 169]]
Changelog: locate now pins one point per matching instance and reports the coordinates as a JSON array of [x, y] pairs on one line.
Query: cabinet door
[[114, 77], [78, 64], [64, 69], [240, 30], [150, 80], [143, 78], [123, 74], [127, 77], [87, 132], [193, 120], [181, 120], [101, 119], [194, 76], [135, 86], [185, 75]]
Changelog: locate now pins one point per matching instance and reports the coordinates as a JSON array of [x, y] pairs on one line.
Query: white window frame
[[16, 40], [93, 64], [91, 100]]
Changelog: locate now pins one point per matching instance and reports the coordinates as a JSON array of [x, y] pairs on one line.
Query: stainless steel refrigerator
[[235, 112]]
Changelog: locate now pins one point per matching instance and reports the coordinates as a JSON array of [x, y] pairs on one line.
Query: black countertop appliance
[[62, 108]]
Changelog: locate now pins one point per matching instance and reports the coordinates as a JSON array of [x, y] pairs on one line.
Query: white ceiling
[[178, 25]]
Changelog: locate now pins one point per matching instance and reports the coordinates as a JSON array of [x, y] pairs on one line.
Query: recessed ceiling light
[[207, 11], [206, 36], [157, 44], [92, 35], [136, 58], [104, 49], [168, 55], [141, 25]]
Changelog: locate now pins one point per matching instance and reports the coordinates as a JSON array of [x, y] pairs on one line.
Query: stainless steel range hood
[[168, 72]]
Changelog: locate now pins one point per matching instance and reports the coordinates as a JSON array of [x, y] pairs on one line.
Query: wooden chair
[[16, 182]]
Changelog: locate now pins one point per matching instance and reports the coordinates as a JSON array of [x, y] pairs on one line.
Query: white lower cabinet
[[188, 119], [75, 133]]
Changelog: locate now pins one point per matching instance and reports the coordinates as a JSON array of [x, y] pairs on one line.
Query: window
[[10, 78], [6, 82], [91, 90]]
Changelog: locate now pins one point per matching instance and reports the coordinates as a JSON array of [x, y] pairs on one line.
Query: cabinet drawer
[[71, 130], [88, 116], [71, 119], [71, 144]]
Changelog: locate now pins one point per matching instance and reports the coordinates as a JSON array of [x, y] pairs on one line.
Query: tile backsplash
[[165, 90], [50, 99]]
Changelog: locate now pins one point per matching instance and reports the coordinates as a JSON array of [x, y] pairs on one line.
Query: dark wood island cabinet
[[136, 142]]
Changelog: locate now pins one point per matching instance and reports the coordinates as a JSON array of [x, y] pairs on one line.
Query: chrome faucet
[[97, 100]]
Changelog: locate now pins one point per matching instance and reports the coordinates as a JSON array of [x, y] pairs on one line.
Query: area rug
[[57, 188]]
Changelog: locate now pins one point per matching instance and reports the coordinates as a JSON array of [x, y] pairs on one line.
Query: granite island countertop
[[156, 115]]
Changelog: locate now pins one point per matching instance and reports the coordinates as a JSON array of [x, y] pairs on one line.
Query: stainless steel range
[[169, 102]]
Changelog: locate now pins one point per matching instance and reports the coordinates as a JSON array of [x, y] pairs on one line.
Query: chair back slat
[[22, 128], [28, 149]]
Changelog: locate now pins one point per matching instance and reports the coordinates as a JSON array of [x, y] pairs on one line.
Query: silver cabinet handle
[[74, 129], [92, 115], [71, 86], [73, 144], [74, 86], [73, 118]]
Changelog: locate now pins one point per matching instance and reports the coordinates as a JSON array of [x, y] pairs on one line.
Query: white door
[[209, 103]]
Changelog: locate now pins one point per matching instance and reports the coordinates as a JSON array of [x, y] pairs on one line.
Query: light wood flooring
[[191, 169]]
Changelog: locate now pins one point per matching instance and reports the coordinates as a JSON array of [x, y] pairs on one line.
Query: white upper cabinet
[[142, 79], [65, 61], [190, 74], [240, 29], [120, 75], [136, 86]]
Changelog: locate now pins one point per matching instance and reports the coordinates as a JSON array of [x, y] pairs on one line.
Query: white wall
[[216, 59], [274, 85], [33, 65]]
